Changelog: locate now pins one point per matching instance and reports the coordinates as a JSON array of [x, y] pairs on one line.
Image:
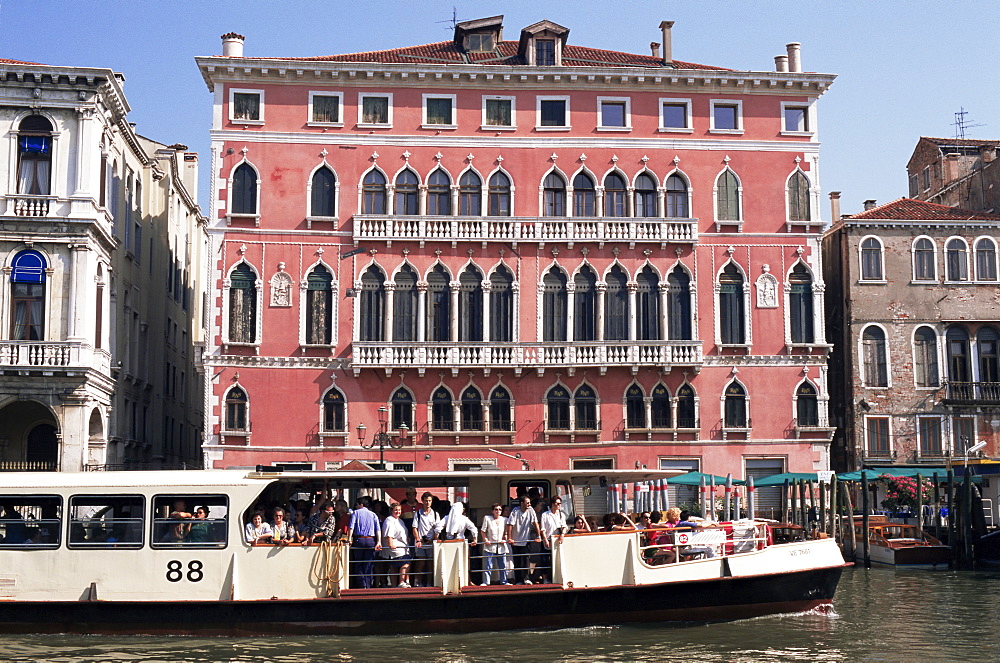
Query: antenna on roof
[[961, 124], [453, 22]]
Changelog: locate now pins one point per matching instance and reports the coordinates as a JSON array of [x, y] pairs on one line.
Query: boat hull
[[370, 612], [917, 557]]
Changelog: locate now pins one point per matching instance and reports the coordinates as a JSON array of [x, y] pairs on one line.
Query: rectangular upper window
[[727, 116], [190, 521], [498, 112], [553, 113], [246, 106], [326, 108], [545, 52], [796, 119], [926, 178], [675, 115], [614, 113], [33, 522], [106, 521], [479, 43], [439, 110], [374, 110]]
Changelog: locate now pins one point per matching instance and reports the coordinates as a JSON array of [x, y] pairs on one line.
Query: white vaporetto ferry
[[105, 552]]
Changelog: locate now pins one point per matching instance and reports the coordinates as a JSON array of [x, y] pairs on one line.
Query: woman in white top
[[495, 545], [394, 542], [257, 531], [457, 524]]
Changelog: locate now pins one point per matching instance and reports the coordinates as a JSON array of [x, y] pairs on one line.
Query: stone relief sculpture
[[767, 289], [281, 288]]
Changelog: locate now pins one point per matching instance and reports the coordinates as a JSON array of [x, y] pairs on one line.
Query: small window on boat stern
[[106, 521], [30, 522], [190, 520]]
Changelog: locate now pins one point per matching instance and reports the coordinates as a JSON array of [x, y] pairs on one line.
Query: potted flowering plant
[[901, 493]]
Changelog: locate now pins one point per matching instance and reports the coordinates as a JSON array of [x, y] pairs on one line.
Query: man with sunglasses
[[522, 529]]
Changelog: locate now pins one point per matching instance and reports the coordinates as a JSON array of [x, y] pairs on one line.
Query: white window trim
[[340, 102], [258, 323], [861, 277], [230, 215], [688, 120], [810, 118], [361, 110], [424, 124], [234, 432], [948, 436], [310, 217], [746, 405], [628, 113], [937, 356], [822, 406], [975, 258], [232, 106], [304, 303], [861, 357], [913, 260], [890, 452], [738, 103], [968, 270], [513, 113], [538, 112], [739, 201], [747, 312]]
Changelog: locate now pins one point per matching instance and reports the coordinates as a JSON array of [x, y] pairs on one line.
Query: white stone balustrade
[[55, 354], [24, 205], [524, 229], [444, 354]]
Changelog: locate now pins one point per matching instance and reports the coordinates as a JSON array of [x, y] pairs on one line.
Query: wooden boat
[[898, 544], [109, 552]]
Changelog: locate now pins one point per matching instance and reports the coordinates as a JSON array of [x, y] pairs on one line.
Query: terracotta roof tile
[[445, 52], [974, 142], [6, 61], [907, 209]]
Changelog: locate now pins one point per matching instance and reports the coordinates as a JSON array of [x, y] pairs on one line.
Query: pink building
[[580, 257]]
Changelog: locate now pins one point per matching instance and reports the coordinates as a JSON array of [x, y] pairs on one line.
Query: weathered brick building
[[957, 172], [914, 315]]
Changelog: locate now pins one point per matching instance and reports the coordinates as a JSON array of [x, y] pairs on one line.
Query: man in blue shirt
[[364, 536]]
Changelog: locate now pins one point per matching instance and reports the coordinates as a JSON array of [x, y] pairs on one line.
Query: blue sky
[[904, 68]]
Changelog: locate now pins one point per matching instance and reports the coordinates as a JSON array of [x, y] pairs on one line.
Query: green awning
[[694, 479], [779, 479]]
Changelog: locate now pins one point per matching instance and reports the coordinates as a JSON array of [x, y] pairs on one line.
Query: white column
[[487, 300], [422, 199], [453, 322], [390, 297], [632, 288], [602, 288], [571, 311], [83, 168], [664, 289], [421, 311], [79, 255]]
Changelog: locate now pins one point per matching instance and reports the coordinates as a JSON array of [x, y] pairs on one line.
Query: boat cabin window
[[533, 489], [565, 491], [106, 521], [30, 521], [190, 521]]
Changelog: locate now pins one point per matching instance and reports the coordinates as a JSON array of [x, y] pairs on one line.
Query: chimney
[[952, 167], [870, 204], [654, 46], [988, 153], [794, 57], [834, 206], [668, 51], [232, 45], [781, 63]]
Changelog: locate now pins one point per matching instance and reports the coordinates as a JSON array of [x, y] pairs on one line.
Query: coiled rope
[[328, 569]]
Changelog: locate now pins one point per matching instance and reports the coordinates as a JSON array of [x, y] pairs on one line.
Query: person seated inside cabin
[[580, 525], [644, 521], [323, 525], [301, 525], [620, 522], [14, 526], [257, 531], [199, 529], [282, 531], [693, 552]]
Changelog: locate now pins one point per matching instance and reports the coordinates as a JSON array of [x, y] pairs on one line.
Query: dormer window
[[545, 52], [479, 43]]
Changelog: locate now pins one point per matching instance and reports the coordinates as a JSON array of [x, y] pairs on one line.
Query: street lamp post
[[383, 438]]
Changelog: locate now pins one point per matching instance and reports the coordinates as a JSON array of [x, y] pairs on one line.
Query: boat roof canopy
[[386, 479]]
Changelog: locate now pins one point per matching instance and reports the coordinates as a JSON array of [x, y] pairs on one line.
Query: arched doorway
[[29, 437]]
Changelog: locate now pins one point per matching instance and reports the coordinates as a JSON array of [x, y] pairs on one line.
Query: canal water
[[879, 615]]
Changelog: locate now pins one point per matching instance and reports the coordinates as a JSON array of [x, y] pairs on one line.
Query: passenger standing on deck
[[394, 546], [364, 536], [553, 527], [424, 522], [522, 530], [495, 545]]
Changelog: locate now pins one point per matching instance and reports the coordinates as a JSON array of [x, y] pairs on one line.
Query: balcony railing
[[65, 354], [525, 229], [444, 354], [973, 393], [24, 205]]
